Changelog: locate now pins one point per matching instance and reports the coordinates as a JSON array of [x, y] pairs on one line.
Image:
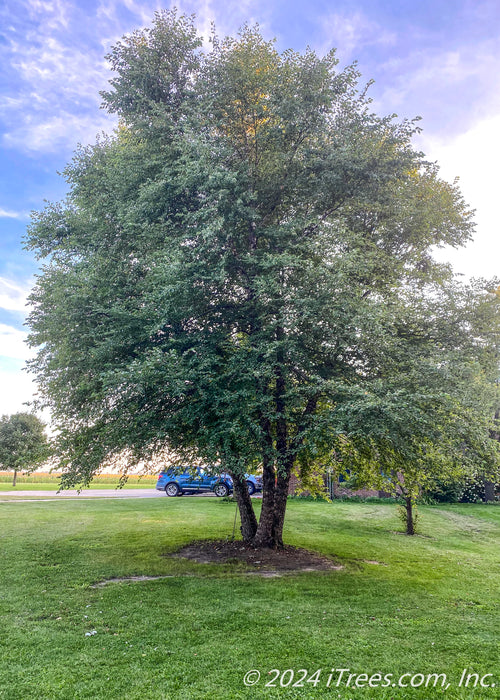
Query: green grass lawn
[[51, 483], [429, 606], [53, 486]]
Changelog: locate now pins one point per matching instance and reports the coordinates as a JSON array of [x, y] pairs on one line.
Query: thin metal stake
[[234, 524]]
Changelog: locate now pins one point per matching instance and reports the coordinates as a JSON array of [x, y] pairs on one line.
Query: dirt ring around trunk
[[267, 562]]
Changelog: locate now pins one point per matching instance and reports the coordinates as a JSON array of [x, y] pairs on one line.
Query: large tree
[[23, 443], [219, 278]]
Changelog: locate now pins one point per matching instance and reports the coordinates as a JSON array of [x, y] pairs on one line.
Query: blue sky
[[438, 59]]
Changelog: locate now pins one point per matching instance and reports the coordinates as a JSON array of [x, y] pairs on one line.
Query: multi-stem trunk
[[274, 498], [275, 480]]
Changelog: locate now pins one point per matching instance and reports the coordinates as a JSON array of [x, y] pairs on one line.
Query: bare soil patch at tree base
[[266, 562]]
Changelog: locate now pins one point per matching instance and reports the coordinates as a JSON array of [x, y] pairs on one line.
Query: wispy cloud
[[55, 74], [56, 132], [227, 18], [10, 214], [55, 11], [54, 52], [349, 33], [110, 10], [436, 78], [13, 295]]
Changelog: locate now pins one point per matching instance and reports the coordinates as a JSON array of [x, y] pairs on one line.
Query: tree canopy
[[23, 443], [242, 273], [427, 415]]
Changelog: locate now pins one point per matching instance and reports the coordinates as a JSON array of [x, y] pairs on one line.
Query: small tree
[[426, 417], [23, 443]]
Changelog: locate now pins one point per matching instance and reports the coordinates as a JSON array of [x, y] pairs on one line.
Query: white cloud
[[9, 214], [228, 18], [17, 388], [108, 10], [59, 70], [60, 66], [12, 343], [59, 75], [432, 83], [55, 132], [350, 32], [205, 17], [473, 156], [54, 11], [13, 295], [138, 9]]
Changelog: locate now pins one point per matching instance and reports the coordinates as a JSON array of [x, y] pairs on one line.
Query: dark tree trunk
[[410, 525], [263, 536], [247, 514], [275, 490], [489, 490], [274, 498], [270, 529], [280, 499], [15, 478], [275, 483]]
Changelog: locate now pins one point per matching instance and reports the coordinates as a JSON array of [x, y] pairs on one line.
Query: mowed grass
[[430, 604], [54, 486], [51, 482]]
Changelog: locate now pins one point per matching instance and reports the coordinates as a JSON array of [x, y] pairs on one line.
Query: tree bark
[[270, 529], [489, 491], [15, 478], [280, 499], [274, 498], [275, 489], [247, 513], [410, 527], [263, 536]]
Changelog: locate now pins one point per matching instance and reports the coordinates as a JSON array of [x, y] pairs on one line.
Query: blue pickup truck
[[176, 482]]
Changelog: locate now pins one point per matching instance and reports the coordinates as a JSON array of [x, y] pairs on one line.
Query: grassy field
[[430, 604], [50, 482]]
